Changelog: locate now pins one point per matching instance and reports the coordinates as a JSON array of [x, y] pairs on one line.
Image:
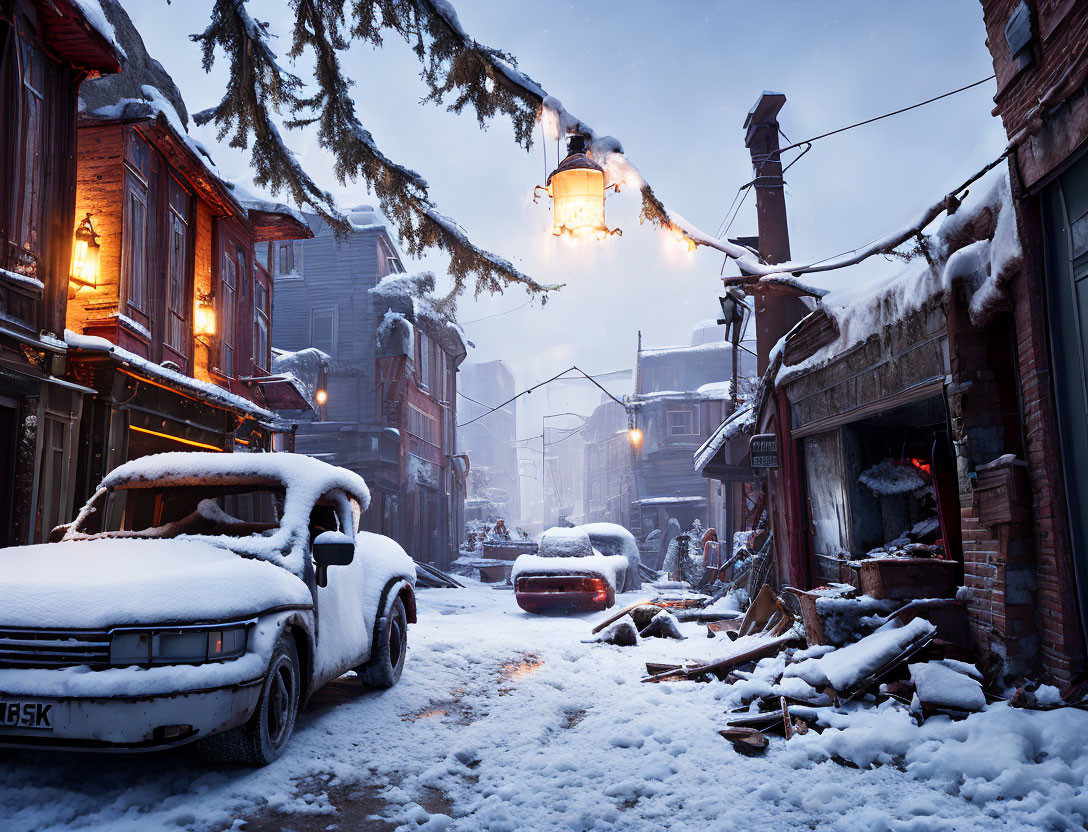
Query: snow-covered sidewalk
[[506, 721]]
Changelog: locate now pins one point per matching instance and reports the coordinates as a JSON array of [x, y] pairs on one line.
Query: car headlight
[[178, 645]]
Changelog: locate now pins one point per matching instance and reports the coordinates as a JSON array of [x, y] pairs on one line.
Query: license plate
[[34, 715]]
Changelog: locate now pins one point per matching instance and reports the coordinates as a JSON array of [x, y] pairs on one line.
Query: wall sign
[[763, 448]]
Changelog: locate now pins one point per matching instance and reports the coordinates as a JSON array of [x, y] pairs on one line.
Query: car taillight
[[600, 591]]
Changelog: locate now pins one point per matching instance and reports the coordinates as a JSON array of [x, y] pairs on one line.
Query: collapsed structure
[[938, 415]]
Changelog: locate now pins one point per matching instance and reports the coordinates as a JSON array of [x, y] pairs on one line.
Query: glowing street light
[[577, 190]]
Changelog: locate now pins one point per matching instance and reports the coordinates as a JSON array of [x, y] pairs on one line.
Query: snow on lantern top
[[577, 190]]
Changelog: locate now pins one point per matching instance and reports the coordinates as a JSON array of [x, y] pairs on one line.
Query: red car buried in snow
[[569, 574]]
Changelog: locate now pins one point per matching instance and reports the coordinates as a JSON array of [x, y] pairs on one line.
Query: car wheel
[[265, 736], [387, 658]]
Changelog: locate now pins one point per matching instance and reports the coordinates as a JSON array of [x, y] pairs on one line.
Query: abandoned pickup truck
[[199, 597], [577, 569]]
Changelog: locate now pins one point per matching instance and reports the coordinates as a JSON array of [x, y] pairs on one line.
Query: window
[[423, 365], [261, 316], [656, 379], [30, 173], [285, 258], [422, 426], [177, 317], [134, 253], [234, 264], [680, 422], [323, 329]]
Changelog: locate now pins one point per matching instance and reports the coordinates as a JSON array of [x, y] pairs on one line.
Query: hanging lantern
[[635, 436], [577, 190], [204, 318], [85, 251]]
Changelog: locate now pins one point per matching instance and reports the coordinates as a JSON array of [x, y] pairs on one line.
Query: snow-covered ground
[[506, 721]]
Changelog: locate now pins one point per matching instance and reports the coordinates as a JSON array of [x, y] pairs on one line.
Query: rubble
[[621, 634], [662, 625], [941, 687]]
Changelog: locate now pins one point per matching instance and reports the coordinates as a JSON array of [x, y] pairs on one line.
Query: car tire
[[264, 737], [387, 658]]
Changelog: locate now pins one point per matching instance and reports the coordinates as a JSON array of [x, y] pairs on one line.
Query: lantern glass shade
[[85, 251], [578, 202], [204, 319], [635, 435]]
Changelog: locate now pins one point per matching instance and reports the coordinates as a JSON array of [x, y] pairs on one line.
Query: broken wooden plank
[[787, 725], [617, 616], [745, 740]]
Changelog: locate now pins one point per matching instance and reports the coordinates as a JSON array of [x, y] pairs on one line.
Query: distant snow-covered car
[[612, 539], [567, 574], [199, 596]]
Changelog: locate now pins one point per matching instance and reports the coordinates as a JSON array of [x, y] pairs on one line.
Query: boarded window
[[422, 426]]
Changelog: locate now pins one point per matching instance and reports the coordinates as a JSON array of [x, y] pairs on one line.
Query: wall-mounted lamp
[[85, 252], [204, 315]]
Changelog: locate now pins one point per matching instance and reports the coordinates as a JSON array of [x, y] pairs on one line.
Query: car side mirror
[[331, 549]]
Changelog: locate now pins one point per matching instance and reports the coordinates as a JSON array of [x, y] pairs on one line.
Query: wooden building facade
[[47, 49], [171, 332]]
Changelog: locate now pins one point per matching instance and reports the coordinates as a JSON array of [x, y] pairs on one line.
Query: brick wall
[[1027, 98], [1061, 641]]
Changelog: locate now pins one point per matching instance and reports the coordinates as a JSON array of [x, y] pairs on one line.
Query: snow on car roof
[[296, 471], [560, 542], [305, 479]]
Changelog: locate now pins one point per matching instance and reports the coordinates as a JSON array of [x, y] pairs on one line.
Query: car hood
[[109, 582]]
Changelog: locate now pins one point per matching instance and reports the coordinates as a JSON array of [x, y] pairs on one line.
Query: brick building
[[1040, 54]]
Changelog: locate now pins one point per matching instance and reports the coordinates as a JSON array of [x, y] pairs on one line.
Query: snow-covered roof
[[212, 393], [742, 420], [984, 266], [410, 296], [710, 347], [95, 16]]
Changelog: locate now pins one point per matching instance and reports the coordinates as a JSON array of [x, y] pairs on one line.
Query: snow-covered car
[[199, 596], [567, 574]]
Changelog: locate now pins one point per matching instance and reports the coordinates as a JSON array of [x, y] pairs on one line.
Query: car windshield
[[150, 510]]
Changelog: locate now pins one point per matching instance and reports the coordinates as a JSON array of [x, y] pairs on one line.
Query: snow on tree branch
[[258, 82]]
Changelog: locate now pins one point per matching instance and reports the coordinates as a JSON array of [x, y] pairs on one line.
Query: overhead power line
[[529, 390]]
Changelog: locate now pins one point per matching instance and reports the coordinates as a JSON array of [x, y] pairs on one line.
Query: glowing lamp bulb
[[204, 317], [635, 435], [322, 396], [577, 190], [85, 252]]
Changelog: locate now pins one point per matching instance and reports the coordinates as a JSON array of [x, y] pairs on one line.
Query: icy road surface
[[505, 721]]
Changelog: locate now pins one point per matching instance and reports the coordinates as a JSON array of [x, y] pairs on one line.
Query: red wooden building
[[172, 330], [47, 48]]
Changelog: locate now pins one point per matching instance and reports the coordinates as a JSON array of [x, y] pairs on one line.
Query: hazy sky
[[673, 81]]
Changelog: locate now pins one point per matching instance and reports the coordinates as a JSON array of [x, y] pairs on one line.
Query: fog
[[673, 81]]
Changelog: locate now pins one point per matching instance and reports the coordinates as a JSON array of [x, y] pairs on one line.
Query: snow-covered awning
[[205, 391], [740, 423]]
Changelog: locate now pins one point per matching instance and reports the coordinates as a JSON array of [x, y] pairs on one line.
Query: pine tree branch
[[257, 81]]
